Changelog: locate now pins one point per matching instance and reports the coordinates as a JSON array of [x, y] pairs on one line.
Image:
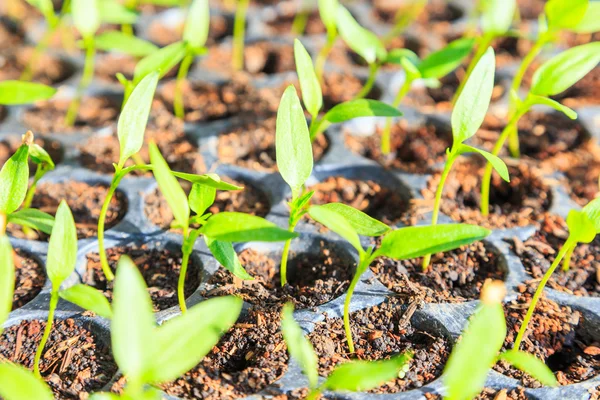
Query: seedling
[[404, 17], [327, 12], [19, 92], [239, 31], [467, 116], [352, 376], [479, 349], [400, 244]]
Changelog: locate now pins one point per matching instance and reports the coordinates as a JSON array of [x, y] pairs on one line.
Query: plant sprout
[[404, 17], [239, 31], [352, 376], [400, 244], [327, 12], [479, 349], [467, 116]]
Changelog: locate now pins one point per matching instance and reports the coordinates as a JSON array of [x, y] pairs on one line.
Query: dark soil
[[380, 332], [491, 394], [341, 87], [74, 362], [582, 170], [312, 279], [85, 201], [163, 33], [248, 358], [252, 146], [510, 50], [9, 145], [159, 267], [530, 9], [49, 69], [11, 34], [367, 196], [518, 203], [454, 276], [29, 278], [281, 22], [413, 149]]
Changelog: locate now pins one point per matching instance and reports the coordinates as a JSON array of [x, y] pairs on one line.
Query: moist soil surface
[[413, 149], [313, 279], [341, 87], [74, 362], [85, 201], [108, 65], [247, 359], [454, 276], [380, 332], [260, 58], [538, 253], [521, 202], [29, 278], [555, 335], [48, 69], [159, 267]]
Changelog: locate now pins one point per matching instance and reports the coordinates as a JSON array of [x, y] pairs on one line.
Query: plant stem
[[538, 292], [39, 172], [285, 254], [46, 335], [364, 263], [27, 73], [313, 394], [239, 29], [101, 219], [386, 134], [322, 56], [300, 20], [481, 49], [373, 68], [181, 75], [88, 74], [567, 262], [182, 274]]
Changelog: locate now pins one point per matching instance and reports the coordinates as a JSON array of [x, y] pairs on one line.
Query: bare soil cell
[[454, 276], [380, 332], [29, 278], [10, 144], [491, 394], [248, 358], [11, 34], [49, 69], [85, 201], [164, 32], [341, 87], [312, 279], [413, 149], [159, 267], [581, 169], [108, 65], [530, 9], [252, 145], [434, 12], [75, 361]]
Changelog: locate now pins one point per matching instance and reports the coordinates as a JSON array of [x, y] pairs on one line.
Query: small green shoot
[[327, 12], [239, 32], [7, 279]]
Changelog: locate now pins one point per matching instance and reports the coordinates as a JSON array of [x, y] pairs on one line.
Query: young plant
[[353, 376], [327, 12], [19, 92], [553, 77], [467, 116], [239, 31], [479, 349], [400, 244]]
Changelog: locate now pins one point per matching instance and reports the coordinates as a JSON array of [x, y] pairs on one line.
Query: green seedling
[[404, 17], [583, 226], [353, 376], [239, 32], [120, 42], [553, 77], [400, 244], [467, 116], [479, 349], [327, 12], [20, 92], [149, 355]]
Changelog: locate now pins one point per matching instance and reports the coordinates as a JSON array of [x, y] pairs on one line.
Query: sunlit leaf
[[299, 346]]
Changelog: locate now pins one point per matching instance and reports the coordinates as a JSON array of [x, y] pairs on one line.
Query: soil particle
[[248, 358], [29, 278], [313, 279], [74, 362], [49, 69], [159, 267], [380, 332], [9, 145]]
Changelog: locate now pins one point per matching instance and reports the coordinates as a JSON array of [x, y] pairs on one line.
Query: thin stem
[[46, 335], [27, 73], [182, 274], [314, 394], [567, 262], [299, 23], [365, 261], [285, 254], [386, 134], [403, 20], [481, 49], [322, 56], [101, 220], [540, 289], [39, 172], [181, 75], [373, 68], [239, 29], [88, 74]]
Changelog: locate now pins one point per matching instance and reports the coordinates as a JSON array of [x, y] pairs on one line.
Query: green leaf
[[592, 210], [362, 41], [418, 241], [554, 104], [337, 223], [299, 346], [591, 19], [7, 280], [124, 43], [240, 227], [88, 298], [225, 254], [564, 70], [182, 342], [311, 89], [134, 117], [40, 156], [395, 56], [133, 322], [166, 3], [62, 248], [162, 60], [13, 180], [474, 100], [564, 14], [497, 16], [360, 108], [33, 218], [292, 142], [212, 180], [531, 365], [327, 12], [475, 354], [201, 197], [361, 222], [113, 12], [107, 396], [358, 376], [195, 32], [446, 60], [496, 161], [45, 7], [86, 16], [17, 92], [18, 383], [581, 228], [169, 187]]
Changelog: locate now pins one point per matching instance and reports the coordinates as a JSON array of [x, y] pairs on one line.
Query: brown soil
[[555, 336], [281, 24], [108, 65], [248, 358], [367, 196], [510, 50], [538, 253], [164, 34], [312, 279], [49, 69], [582, 169], [530, 9], [74, 362], [29, 278], [252, 146], [159, 267], [583, 93], [260, 58], [518, 203], [380, 332], [454, 276], [11, 34], [9, 145], [341, 87], [491, 394], [85, 201], [413, 149], [571, 39], [435, 11]]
